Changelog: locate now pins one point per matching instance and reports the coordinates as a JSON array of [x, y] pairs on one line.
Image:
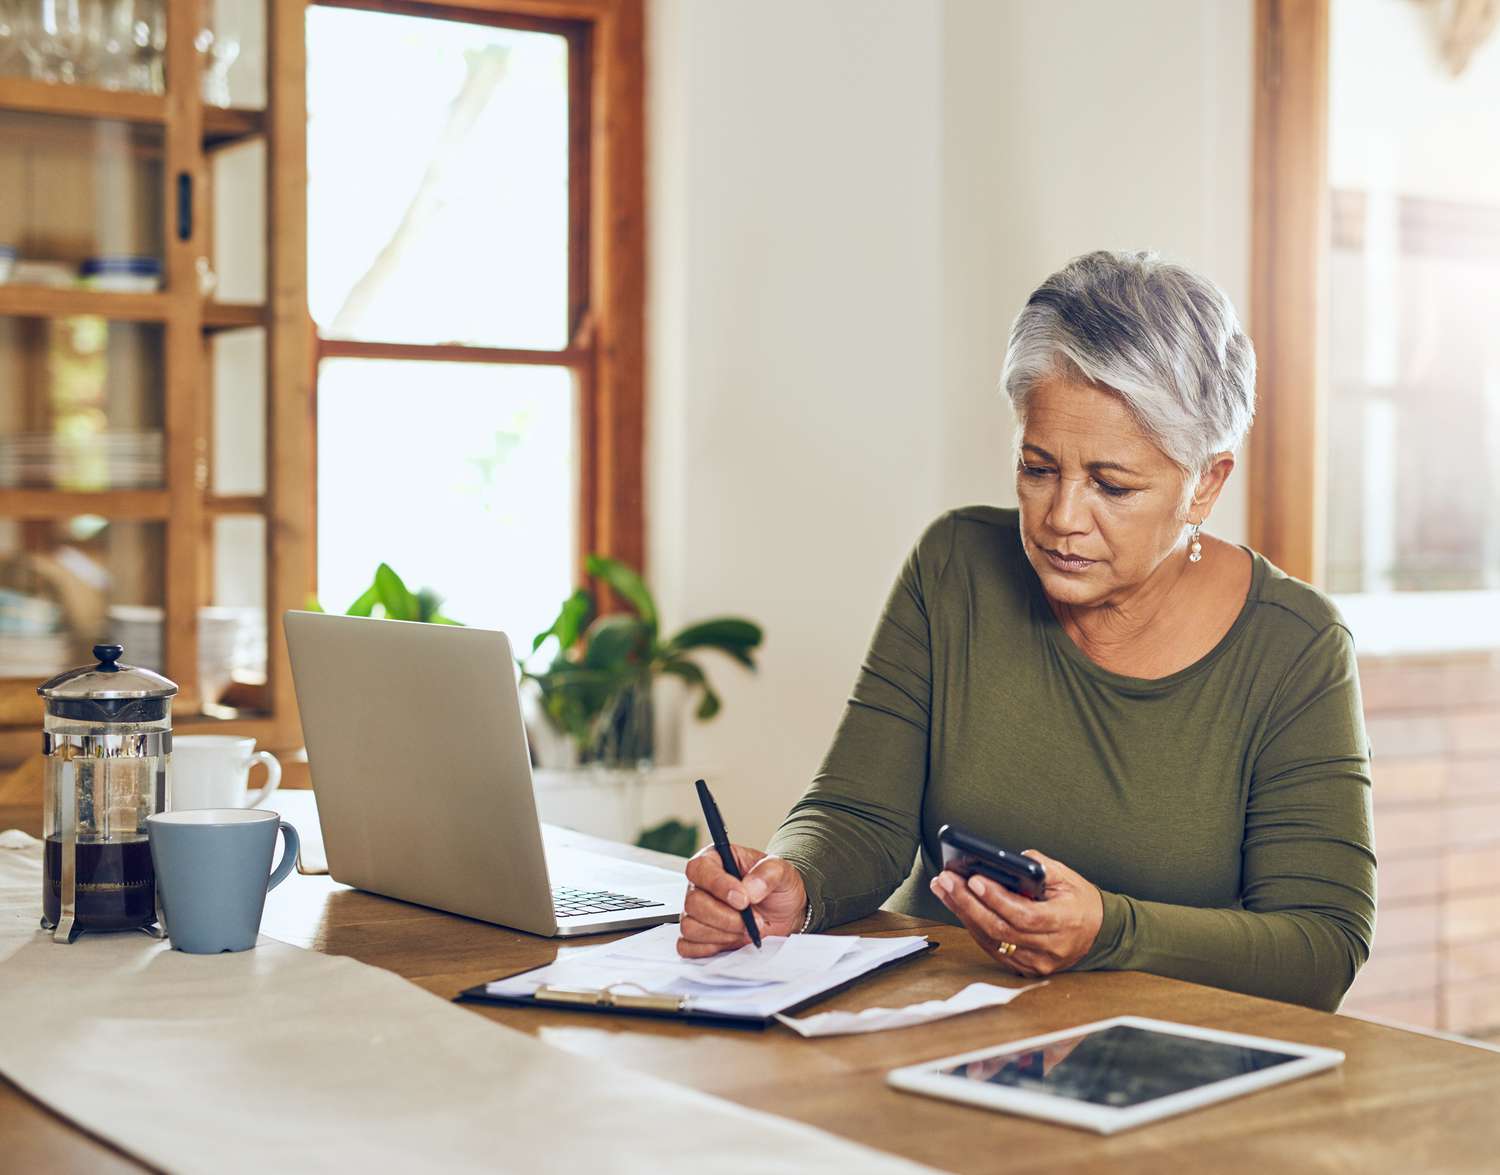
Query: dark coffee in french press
[[107, 742]]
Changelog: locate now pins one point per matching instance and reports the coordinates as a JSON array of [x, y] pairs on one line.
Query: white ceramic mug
[[213, 771]]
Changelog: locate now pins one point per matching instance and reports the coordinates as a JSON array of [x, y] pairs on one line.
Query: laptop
[[422, 776]]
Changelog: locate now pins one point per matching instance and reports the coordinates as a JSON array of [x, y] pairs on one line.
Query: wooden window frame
[[606, 257], [1288, 301]]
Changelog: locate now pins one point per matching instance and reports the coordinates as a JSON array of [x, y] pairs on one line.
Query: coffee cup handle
[[291, 845], [273, 777]]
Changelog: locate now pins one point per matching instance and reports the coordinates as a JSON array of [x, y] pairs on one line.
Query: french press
[[107, 743]]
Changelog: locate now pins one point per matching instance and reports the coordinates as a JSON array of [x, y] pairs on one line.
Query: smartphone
[[966, 854]]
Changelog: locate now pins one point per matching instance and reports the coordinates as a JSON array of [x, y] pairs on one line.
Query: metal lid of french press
[[109, 692]]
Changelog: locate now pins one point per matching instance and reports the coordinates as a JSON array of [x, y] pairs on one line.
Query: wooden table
[[1402, 1099]]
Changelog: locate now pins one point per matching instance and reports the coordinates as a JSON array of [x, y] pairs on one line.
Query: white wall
[[850, 201], [795, 350], [1077, 125]]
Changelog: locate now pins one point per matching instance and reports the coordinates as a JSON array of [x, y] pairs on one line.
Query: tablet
[[1114, 1074]]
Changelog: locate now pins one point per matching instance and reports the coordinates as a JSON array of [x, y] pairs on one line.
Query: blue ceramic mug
[[213, 871]]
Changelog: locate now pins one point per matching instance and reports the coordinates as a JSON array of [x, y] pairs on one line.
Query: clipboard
[[638, 1002]]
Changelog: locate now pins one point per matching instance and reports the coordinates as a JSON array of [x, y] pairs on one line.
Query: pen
[[726, 854]]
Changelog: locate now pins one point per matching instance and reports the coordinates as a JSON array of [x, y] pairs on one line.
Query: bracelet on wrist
[[806, 922]]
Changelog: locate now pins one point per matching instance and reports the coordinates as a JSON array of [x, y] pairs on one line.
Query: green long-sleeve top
[[1223, 811]]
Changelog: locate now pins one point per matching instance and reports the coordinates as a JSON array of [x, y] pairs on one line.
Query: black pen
[[726, 854]]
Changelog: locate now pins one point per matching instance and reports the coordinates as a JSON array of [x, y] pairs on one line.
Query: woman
[[1171, 720]]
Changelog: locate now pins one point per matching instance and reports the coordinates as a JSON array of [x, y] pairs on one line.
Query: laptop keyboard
[[569, 903]]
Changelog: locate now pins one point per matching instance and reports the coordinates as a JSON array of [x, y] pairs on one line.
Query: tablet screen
[[1118, 1066]]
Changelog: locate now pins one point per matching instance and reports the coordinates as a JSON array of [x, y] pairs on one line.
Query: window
[[1401, 416], [1413, 440], [479, 366]]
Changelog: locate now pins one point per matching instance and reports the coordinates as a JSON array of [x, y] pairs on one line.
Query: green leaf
[[428, 603], [574, 697], [365, 605], [627, 584], [690, 673], [572, 674], [670, 836], [570, 717], [577, 611], [394, 595], [685, 669], [616, 641], [311, 604], [724, 632], [740, 655], [594, 687], [728, 635]]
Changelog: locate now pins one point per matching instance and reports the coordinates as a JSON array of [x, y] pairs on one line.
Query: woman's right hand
[[772, 888]]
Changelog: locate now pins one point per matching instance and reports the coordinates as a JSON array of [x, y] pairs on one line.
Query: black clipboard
[[667, 1007]]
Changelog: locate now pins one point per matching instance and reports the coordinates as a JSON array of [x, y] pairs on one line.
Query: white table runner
[[280, 1059]]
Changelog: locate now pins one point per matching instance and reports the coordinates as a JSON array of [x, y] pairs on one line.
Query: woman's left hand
[[1049, 935]]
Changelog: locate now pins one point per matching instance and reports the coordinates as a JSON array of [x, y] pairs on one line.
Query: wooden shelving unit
[[173, 146]]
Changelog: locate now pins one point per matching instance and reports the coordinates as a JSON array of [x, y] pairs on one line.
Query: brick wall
[[1434, 725]]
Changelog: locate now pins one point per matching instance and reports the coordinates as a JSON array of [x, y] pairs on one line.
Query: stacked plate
[[138, 627], [31, 644], [123, 272], [107, 460], [218, 642], [250, 649]]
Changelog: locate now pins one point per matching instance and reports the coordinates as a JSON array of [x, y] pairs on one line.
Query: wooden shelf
[[232, 315], [124, 505], [23, 301], [235, 504], [225, 127], [20, 301], [221, 127], [33, 97]]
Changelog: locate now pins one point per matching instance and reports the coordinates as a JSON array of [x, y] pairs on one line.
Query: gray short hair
[[1166, 340]]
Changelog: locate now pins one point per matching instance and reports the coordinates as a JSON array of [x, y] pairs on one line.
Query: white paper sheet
[[781, 960], [280, 1059], [649, 962], [971, 998], [657, 945]]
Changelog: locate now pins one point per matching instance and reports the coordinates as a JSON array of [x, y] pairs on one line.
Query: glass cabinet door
[[71, 583], [133, 342], [83, 406], [82, 202]]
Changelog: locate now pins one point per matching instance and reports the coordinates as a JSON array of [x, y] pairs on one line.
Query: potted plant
[[389, 598], [597, 688]]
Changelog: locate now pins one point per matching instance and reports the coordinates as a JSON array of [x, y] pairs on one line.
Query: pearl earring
[[1195, 544]]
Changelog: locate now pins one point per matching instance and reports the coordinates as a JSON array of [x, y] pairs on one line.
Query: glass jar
[[107, 742]]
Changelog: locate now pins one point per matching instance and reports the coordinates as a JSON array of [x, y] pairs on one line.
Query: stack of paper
[[751, 981]]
